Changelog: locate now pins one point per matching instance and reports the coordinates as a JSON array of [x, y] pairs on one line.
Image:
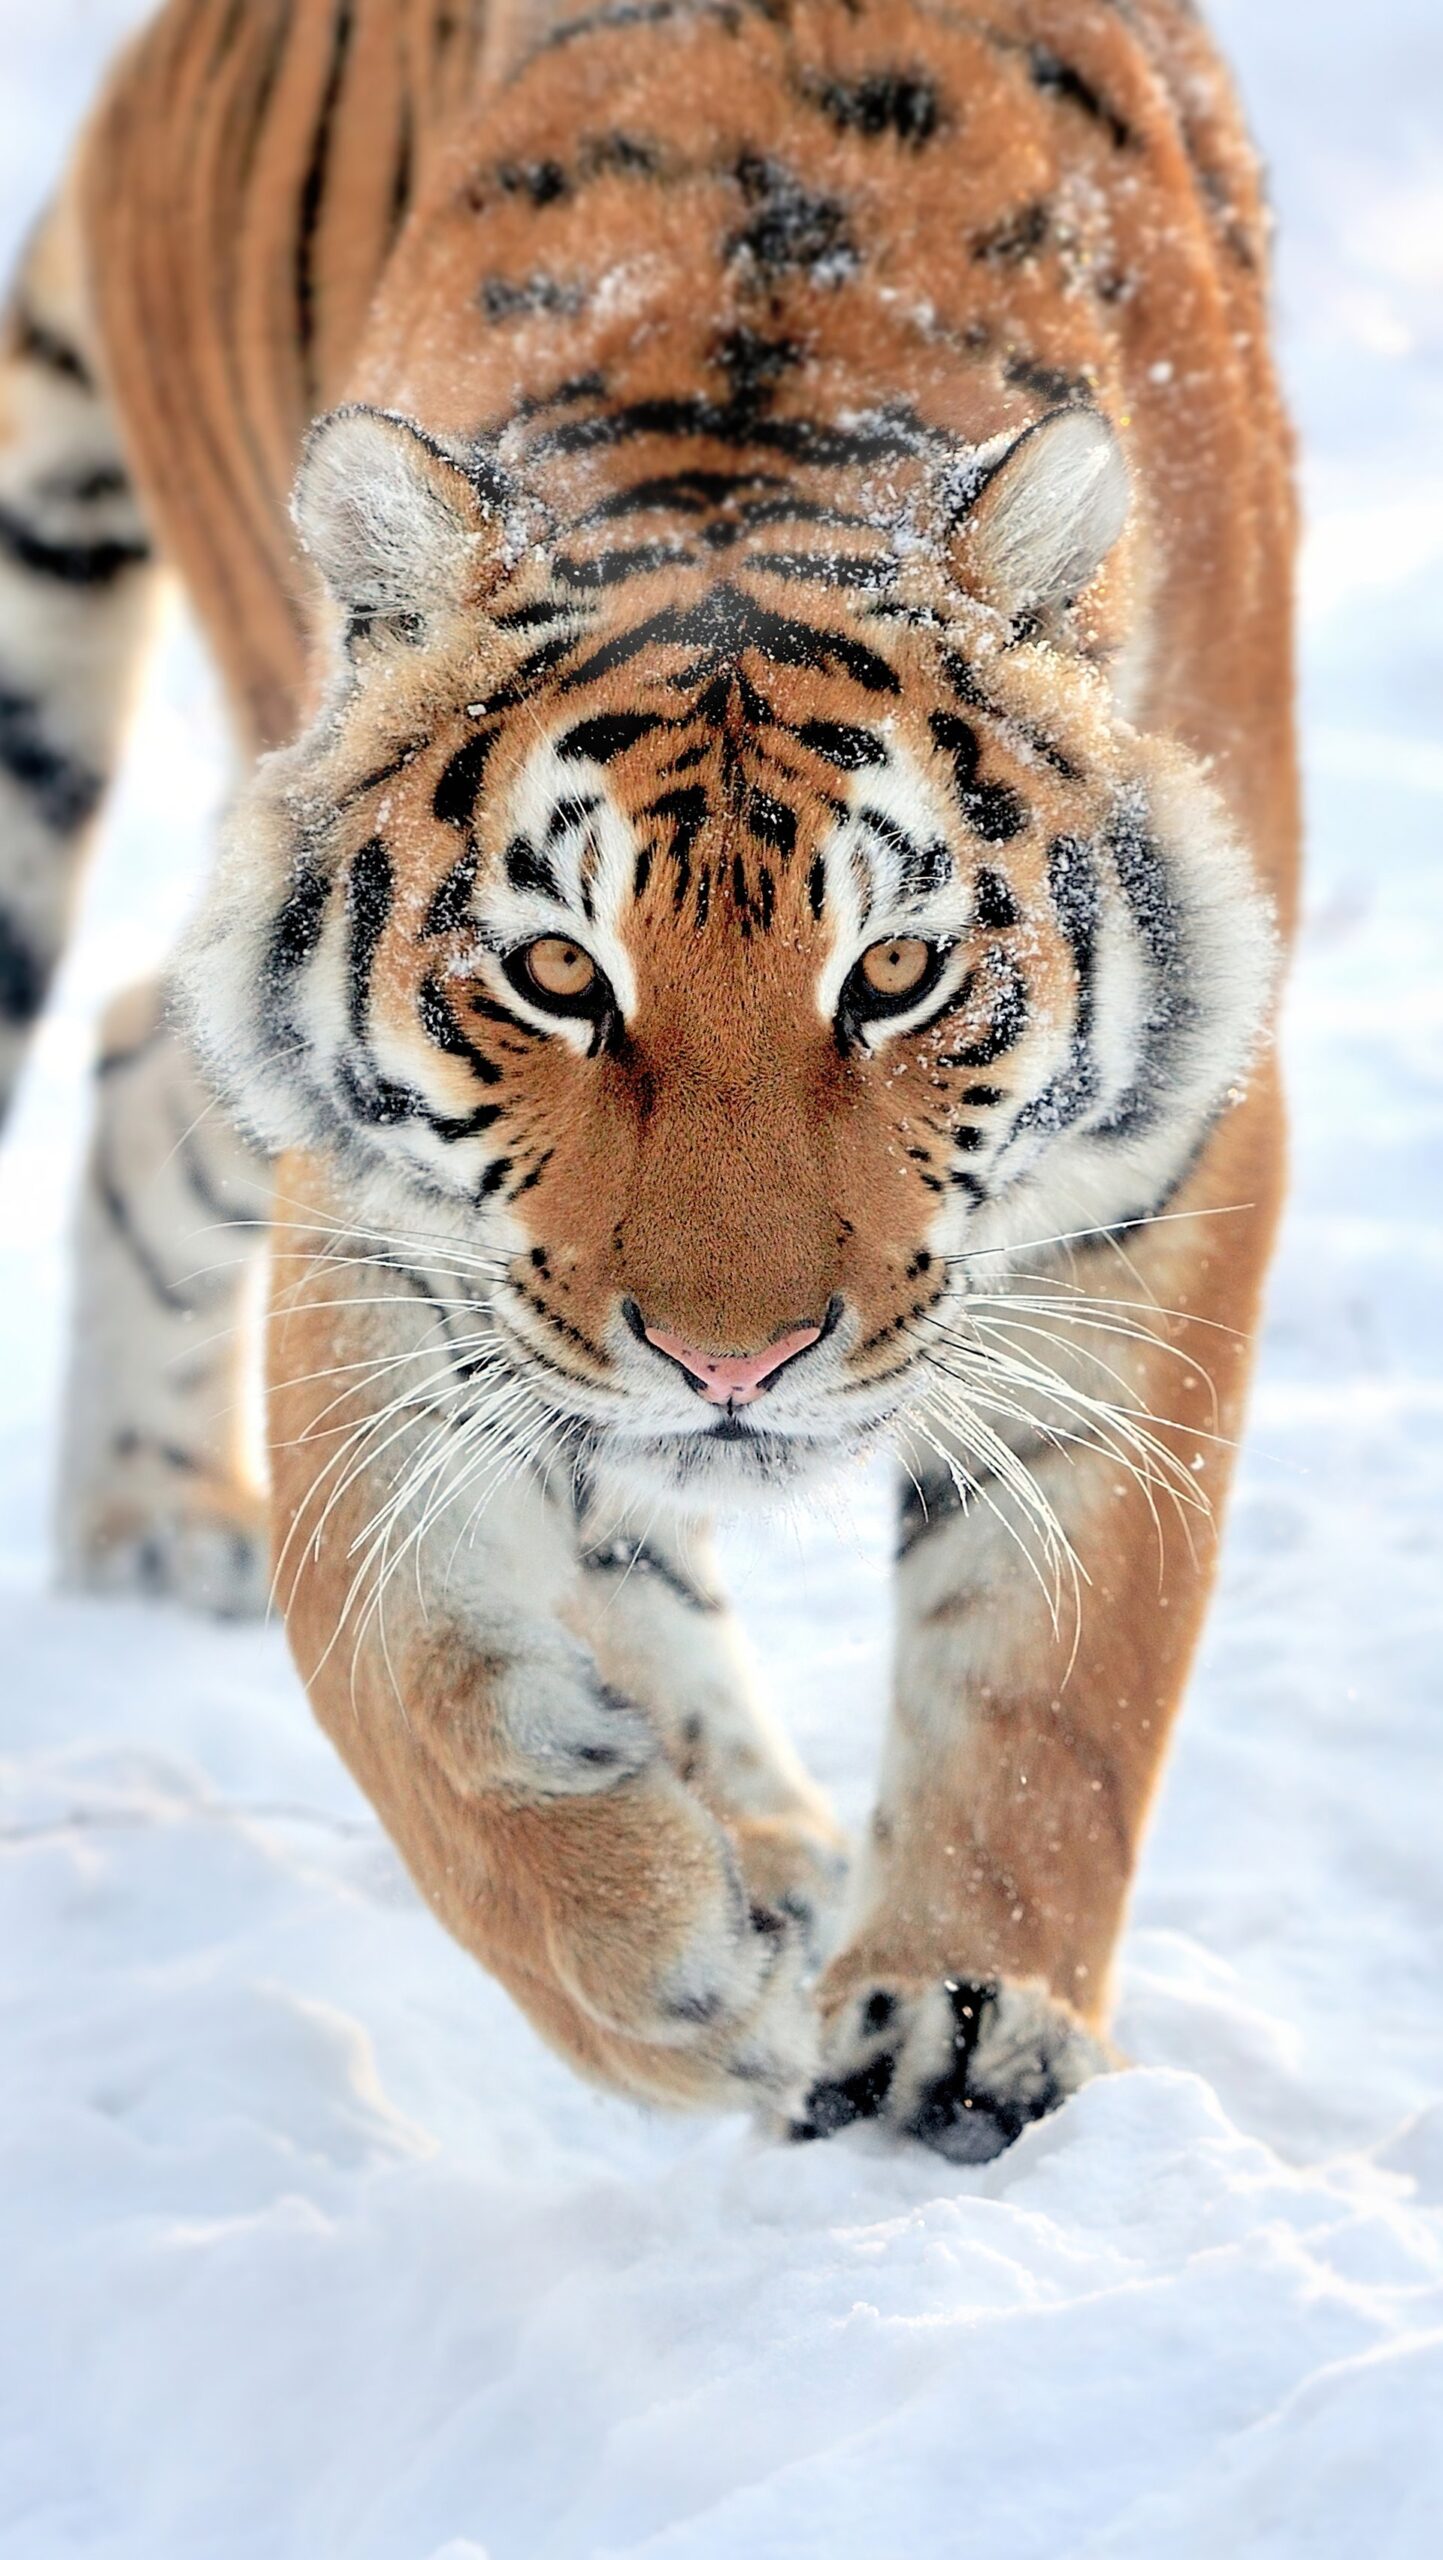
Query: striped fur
[[797, 478]]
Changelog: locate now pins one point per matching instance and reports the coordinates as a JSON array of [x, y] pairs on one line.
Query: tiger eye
[[560, 968], [895, 968]]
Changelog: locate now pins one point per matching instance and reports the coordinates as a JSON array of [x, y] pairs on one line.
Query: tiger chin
[[750, 942]]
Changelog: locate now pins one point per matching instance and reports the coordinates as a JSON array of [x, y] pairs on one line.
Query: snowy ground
[[309, 2249]]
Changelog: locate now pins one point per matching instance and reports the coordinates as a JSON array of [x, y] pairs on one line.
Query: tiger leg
[[664, 1636], [972, 1992], [537, 1806], [157, 1492], [75, 597]]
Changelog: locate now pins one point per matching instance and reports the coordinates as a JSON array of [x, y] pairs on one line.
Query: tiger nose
[[725, 1379]]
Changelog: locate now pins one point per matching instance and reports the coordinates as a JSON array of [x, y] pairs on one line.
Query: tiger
[[749, 548]]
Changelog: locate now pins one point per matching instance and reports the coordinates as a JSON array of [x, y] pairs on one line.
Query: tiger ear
[[1044, 515], [394, 521]]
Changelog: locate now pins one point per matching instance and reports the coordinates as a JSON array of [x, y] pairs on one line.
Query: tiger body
[[752, 943]]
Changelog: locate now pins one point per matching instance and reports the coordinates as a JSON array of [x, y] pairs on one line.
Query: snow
[[310, 2249]]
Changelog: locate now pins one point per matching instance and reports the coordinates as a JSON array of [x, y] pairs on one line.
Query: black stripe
[[790, 230], [849, 749], [626, 1556], [924, 868], [441, 1027], [455, 795], [370, 895], [63, 791], [1141, 868], [1050, 72], [737, 423], [527, 868], [728, 622], [215, 1202], [996, 908], [514, 297], [533, 617], [70, 564], [41, 344], [681, 492], [631, 13], [168, 1293], [24, 976], [608, 734], [1015, 239], [927, 1503], [297, 928], [613, 568], [450, 907], [826, 568], [902, 105], [1049, 381], [992, 810], [1072, 878], [771, 823], [86, 487], [1008, 1021]]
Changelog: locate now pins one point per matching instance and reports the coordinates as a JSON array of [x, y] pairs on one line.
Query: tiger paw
[[210, 1552], [960, 2065]]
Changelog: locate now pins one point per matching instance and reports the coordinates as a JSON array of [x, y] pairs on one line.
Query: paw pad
[[959, 2065]]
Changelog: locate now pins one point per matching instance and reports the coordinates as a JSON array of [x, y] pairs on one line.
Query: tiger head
[[741, 949]]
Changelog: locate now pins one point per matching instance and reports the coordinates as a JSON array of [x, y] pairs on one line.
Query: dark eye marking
[[609, 734], [526, 868], [849, 749], [569, 813], [445, 1033], [924, 868], [1007, 993]]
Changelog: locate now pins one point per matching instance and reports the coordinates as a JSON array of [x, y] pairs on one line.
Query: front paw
[[960, 2065], [206, 1547]]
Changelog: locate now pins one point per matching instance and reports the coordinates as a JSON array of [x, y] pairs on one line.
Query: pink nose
[[739, 1381]]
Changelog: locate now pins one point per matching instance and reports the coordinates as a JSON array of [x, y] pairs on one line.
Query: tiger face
[[743, 964]]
